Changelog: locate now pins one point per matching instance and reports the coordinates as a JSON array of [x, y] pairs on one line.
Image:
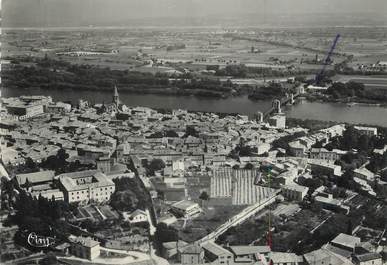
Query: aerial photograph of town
[[187, 132]]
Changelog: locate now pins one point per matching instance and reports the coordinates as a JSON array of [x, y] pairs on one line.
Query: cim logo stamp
[[40, 241]]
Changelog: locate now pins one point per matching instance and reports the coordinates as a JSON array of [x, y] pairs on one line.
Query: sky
[[51, 13]]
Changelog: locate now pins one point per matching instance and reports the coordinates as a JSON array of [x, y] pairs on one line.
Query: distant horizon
[[112, 13]]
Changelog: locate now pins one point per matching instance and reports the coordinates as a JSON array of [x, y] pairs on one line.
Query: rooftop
[[192, 249], [367, 256], [83, 179], [41, 176], [322, 256], [184, 205], [295, 187], [216, 249], [346, 240], [247, 250], [86, 242], [281, 257]]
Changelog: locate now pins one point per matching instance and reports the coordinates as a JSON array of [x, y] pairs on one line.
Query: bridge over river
[[277, 103]]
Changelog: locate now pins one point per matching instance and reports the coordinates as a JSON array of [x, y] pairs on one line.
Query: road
[[239, 218], [133, 257]]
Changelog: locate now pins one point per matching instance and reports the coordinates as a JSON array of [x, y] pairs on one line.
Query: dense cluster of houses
[[342, 250]]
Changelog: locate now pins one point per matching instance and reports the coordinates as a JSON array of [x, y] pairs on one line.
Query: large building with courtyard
[[85, 186]]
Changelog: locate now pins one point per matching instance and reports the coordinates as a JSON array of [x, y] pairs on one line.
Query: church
[[115, 106]]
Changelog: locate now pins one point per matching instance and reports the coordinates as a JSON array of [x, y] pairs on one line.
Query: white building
[[178, 166], [314, 89], [48, 194], [186, 208], [323, 257], [325, 168], [138, 216], [294, 192], [282, 258], [346, 242], [369, 131], [297, 149], [278, 121], [368, 259], [58, 107], [364, 174], [263, 148], [85, 248], [322, 153], [89, 185]]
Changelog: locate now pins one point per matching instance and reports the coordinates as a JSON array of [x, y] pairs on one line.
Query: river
[[365, 114]]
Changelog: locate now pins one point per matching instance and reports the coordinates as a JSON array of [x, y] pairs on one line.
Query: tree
[[249, 166], [300, 78], [350, 138], [62, 155], [28, 184], [31, 165], [204, 196], [124, 200], [155, 165], [349, 227], [364, 143], [57, 162], [191, 131], [171, 133], [165, 233]]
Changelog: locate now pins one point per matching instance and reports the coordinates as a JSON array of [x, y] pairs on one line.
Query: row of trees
[[130, 195], [53, 74], [243, 71], [273, 90], [340, 90], [350, 89], [40, 215], [352, 139]]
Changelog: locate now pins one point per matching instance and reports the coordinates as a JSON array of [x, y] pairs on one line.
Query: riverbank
[[304, 109], [349, 101]]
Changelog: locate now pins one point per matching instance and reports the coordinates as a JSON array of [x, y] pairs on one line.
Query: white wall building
[[369, 131], [89, 185], [186, 208], [294, 192]]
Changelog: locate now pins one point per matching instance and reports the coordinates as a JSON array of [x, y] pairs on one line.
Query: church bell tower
[[116, 97]]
